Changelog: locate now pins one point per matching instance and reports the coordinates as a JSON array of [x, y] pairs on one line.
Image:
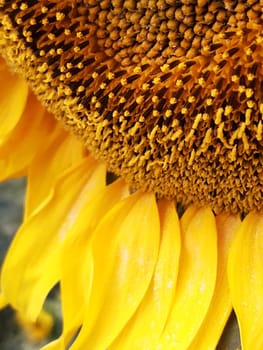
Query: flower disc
[[168, 93]]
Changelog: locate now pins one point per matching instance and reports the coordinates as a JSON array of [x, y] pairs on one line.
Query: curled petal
[[38, 330], [32, 265]]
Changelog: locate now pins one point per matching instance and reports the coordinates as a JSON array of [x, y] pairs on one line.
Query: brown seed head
[[168, 93]]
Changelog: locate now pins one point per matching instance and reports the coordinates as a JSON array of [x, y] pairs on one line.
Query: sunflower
[[144, 194]]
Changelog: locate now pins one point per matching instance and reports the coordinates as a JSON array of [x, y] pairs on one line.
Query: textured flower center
[[167, 92]]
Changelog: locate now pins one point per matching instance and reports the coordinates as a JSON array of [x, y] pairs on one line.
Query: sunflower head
[[168, 93]]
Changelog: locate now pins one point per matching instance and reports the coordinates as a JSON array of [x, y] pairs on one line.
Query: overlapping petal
[[13, 97], [124, 247], [146, 326], [245, 273], [196, 279], [221, 306], [58, 153], [32, 265], [19, 148], [77, 246]]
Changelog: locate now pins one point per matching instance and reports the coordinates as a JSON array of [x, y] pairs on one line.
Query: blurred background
[[12, 337]]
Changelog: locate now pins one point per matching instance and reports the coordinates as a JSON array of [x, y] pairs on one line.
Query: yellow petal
[[77, 246], [125, 247], [245, 273], [54, 345], [60, 152], [146, 326], [31, 267], [196, 279], [221, 306], [3, 302], [13, 96], [19, 148], [38, 330]]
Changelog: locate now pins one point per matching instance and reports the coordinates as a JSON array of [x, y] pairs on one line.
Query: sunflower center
[[168, 93]]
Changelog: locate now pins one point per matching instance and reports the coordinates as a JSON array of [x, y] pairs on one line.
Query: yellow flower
[[167, 95]]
